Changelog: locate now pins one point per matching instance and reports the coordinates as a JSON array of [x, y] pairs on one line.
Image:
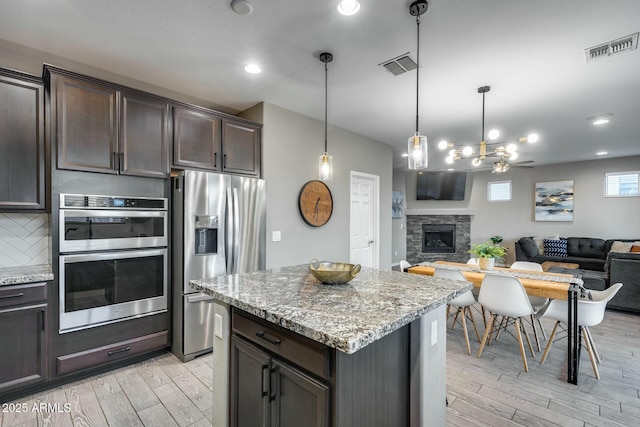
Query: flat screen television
[[441, 185]]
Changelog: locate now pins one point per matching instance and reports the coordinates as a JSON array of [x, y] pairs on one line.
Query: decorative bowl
[[333, 273]]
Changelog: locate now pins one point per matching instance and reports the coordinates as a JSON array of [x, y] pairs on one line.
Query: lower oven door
[[105, 287]]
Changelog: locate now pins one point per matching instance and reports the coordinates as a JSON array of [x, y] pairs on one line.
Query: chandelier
[[505, 152]]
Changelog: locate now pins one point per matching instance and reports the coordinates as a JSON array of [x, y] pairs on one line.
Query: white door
[[364, 227]]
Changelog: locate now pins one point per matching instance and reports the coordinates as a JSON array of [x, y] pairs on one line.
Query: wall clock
[[315, 203]]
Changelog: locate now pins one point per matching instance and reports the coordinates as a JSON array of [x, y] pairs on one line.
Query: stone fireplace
[[438, 237]]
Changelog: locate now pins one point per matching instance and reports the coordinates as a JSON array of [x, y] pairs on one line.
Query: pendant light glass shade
[[417, 150], [325, 165], [418, 154]]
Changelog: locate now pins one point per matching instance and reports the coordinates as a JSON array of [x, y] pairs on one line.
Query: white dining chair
[[590, 313], [473, 261], [538, 303], [505, 296], [404, 265], [462, 303], [476, 292]]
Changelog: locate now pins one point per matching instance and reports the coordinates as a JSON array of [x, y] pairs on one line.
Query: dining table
[[561, 286]]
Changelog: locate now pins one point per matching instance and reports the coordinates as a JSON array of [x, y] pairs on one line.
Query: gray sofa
[[598, 267]]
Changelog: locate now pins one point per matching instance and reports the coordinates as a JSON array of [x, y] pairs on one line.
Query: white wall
[[399, 225], [291, 144], [594, 214]]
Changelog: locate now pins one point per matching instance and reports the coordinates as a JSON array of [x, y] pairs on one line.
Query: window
[[621, 184], [499, 191]]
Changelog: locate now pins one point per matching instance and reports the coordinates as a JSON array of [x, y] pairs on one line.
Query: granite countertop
[[346, 317], [25, 274]]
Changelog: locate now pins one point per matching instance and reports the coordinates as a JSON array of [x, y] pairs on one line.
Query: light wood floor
[[490, 391]]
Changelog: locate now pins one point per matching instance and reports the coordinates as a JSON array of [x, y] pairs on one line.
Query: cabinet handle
[[264, 392], [266, 338], [21, 294], [215, 159], [224, 161], [42, 319], [122, 350], [115, 161]]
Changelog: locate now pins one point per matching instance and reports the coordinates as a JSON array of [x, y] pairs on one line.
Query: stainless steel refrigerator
[[219, 227]]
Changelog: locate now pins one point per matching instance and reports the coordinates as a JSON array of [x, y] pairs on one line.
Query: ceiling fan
[[503, 165]]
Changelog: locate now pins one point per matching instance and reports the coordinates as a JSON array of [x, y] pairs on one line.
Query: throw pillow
[[555, 247], [618, 246], [540, 241], [529, 247], [635, 248]]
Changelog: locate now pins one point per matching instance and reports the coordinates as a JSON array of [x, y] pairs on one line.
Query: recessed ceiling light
[[348, 7], [405, 155], [252, 68], [241, 7], [602, 153], [450, 169], [600, 119]]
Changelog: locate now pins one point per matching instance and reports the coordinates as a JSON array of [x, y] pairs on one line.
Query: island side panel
[[372, 384], [428, 369], [221, 363]]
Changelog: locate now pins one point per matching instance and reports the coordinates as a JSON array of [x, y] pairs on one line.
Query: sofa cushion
[[529, 247], [555, 247], [585, 247], [609, 243], [619, 246]]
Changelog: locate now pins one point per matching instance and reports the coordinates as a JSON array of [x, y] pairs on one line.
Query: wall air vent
[[399, 64], [612, 47]]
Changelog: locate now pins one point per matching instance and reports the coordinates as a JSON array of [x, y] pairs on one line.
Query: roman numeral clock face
[[315, 203]]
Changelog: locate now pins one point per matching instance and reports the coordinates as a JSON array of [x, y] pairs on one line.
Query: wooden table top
[[546, 288]]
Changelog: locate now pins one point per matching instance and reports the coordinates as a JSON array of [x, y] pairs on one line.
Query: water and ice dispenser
[[206, 234]]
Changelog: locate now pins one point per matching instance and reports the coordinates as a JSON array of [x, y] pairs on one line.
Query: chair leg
[[524, 356], [473, 322], [549, 342], [492, 328], [526, 334], [593, 344], [501, 327], [464, 328], [486, 334], [455, 318], [448, 311], [544, 335], [535, 332], [587, 344]]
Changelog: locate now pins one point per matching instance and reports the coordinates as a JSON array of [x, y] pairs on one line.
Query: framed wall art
[[396, 204], [554, 201]]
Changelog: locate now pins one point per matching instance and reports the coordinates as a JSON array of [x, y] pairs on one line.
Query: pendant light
[[326, 161], [417, 144]]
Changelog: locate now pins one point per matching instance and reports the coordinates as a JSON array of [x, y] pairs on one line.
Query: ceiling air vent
[[615, 46], [400, 64]]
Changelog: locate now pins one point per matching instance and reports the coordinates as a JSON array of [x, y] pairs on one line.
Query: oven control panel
[[111, 202]]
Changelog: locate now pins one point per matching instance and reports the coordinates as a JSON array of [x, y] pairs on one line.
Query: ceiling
[[531, 53]]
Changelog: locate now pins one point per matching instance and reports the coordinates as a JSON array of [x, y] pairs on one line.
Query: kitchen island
[[371, 352]]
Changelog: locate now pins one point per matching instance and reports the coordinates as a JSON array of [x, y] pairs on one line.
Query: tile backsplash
[[24, 239]]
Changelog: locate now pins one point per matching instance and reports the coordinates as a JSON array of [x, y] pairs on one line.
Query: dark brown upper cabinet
[[196, 139], [22, 142], [240, 148], [204, 139], [105, 128]]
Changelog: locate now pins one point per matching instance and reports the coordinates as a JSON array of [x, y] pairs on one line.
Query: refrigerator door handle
[[236, 230], [229, 216], [199, 298]]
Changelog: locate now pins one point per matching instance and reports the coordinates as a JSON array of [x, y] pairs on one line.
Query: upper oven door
[[90, 230]]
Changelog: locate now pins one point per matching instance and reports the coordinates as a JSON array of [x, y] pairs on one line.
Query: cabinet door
[[249, 383], [144, 143], [23, 353], [297, 399], [22, 155], [87, 126], [196, 142], [241, 148]]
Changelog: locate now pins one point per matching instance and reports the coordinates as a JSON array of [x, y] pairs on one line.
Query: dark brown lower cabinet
[[23, 350], [267, 391]]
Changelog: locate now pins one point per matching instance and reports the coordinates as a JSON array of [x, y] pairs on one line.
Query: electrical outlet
[[434, 332], [395, 253], [217, 320], [276, 236]]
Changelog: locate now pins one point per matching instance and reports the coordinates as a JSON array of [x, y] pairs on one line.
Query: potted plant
[[488, 251]]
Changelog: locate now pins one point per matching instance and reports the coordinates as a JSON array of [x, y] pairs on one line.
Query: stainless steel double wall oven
[[113, 259]]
